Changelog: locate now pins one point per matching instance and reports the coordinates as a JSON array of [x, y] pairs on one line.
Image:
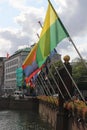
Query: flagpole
[[40, 77], [63, 82], [51, 85], [45, 85], [40, 87], [77, 52], [47, 89], [56, 84], [74, 83]]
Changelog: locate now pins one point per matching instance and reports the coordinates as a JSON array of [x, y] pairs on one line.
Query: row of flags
[[53, 31]]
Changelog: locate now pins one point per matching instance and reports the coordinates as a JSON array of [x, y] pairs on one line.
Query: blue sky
[[19, 24]]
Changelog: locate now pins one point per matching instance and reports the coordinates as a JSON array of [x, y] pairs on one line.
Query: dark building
[[83, 85], [1, 74]]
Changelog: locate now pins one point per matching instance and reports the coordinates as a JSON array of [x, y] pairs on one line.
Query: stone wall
[[78, 125], [60, 121], [48, 112], [30, 104], [4, 103]]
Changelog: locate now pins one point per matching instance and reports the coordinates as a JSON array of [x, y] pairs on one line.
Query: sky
[[19, 24]]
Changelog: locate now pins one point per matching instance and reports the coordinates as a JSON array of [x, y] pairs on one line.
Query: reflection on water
[[21, 120]]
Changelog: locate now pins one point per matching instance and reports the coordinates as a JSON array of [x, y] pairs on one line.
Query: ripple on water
[[21, 120]]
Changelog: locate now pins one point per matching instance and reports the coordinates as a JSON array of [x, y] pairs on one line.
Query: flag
[[33, 74], [52, 33], [30, 58], [8, 55], [30, 68], [19, 77], [30, 65]]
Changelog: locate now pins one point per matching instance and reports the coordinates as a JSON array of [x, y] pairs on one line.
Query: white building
[[10, 65]]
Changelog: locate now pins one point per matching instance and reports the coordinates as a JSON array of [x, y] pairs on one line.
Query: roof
[[24, 49]]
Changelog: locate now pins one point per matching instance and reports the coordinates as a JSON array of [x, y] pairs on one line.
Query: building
[[10, 65], [82, 84], [1, 73]]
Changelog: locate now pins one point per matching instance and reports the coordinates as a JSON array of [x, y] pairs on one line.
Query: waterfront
[[22, 120]]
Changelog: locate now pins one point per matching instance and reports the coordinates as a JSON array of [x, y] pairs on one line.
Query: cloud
[[29, 20], [14, 38], [73, 16], [19, 4], [71, 13], [27, 34], [5, 47]]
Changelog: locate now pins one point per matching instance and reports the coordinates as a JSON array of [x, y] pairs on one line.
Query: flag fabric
[[52, 33], [8, 55], [33, 74], [30, 58], [30, 65], [30, 68], [19, 77]]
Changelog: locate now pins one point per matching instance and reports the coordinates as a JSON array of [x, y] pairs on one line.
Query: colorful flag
[[52, 33], [33, 74], [30, 64], [30, 58], [30, 68], [19, 77]]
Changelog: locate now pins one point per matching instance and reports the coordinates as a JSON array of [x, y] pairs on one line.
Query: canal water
[[22, 120]]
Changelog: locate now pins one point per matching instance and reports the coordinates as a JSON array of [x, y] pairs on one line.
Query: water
[[22, 120]]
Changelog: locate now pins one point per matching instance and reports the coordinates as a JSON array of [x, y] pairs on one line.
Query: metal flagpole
[[50, 84], [48, 89], [48, 79], [78, 52], [40, 24], [40, 78], [63, 82], [44, 86], [56, 84], [40, 86]]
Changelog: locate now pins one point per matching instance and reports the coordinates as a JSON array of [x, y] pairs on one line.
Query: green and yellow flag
[[52, 33]]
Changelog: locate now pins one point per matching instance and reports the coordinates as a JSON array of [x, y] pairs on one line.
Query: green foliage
[[52, 69], [78, 70], [57, 65]]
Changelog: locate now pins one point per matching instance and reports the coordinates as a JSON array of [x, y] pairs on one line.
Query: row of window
[[10, 84], [11, 69], [10, 76], [10, 63]]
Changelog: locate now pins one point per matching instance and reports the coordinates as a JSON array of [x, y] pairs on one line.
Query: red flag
[[8, 55]]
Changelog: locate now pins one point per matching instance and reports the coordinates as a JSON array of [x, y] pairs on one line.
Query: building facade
[[1, 73], [10, 65]]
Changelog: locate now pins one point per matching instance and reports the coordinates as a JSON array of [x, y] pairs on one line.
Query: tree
[[78, 70]]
